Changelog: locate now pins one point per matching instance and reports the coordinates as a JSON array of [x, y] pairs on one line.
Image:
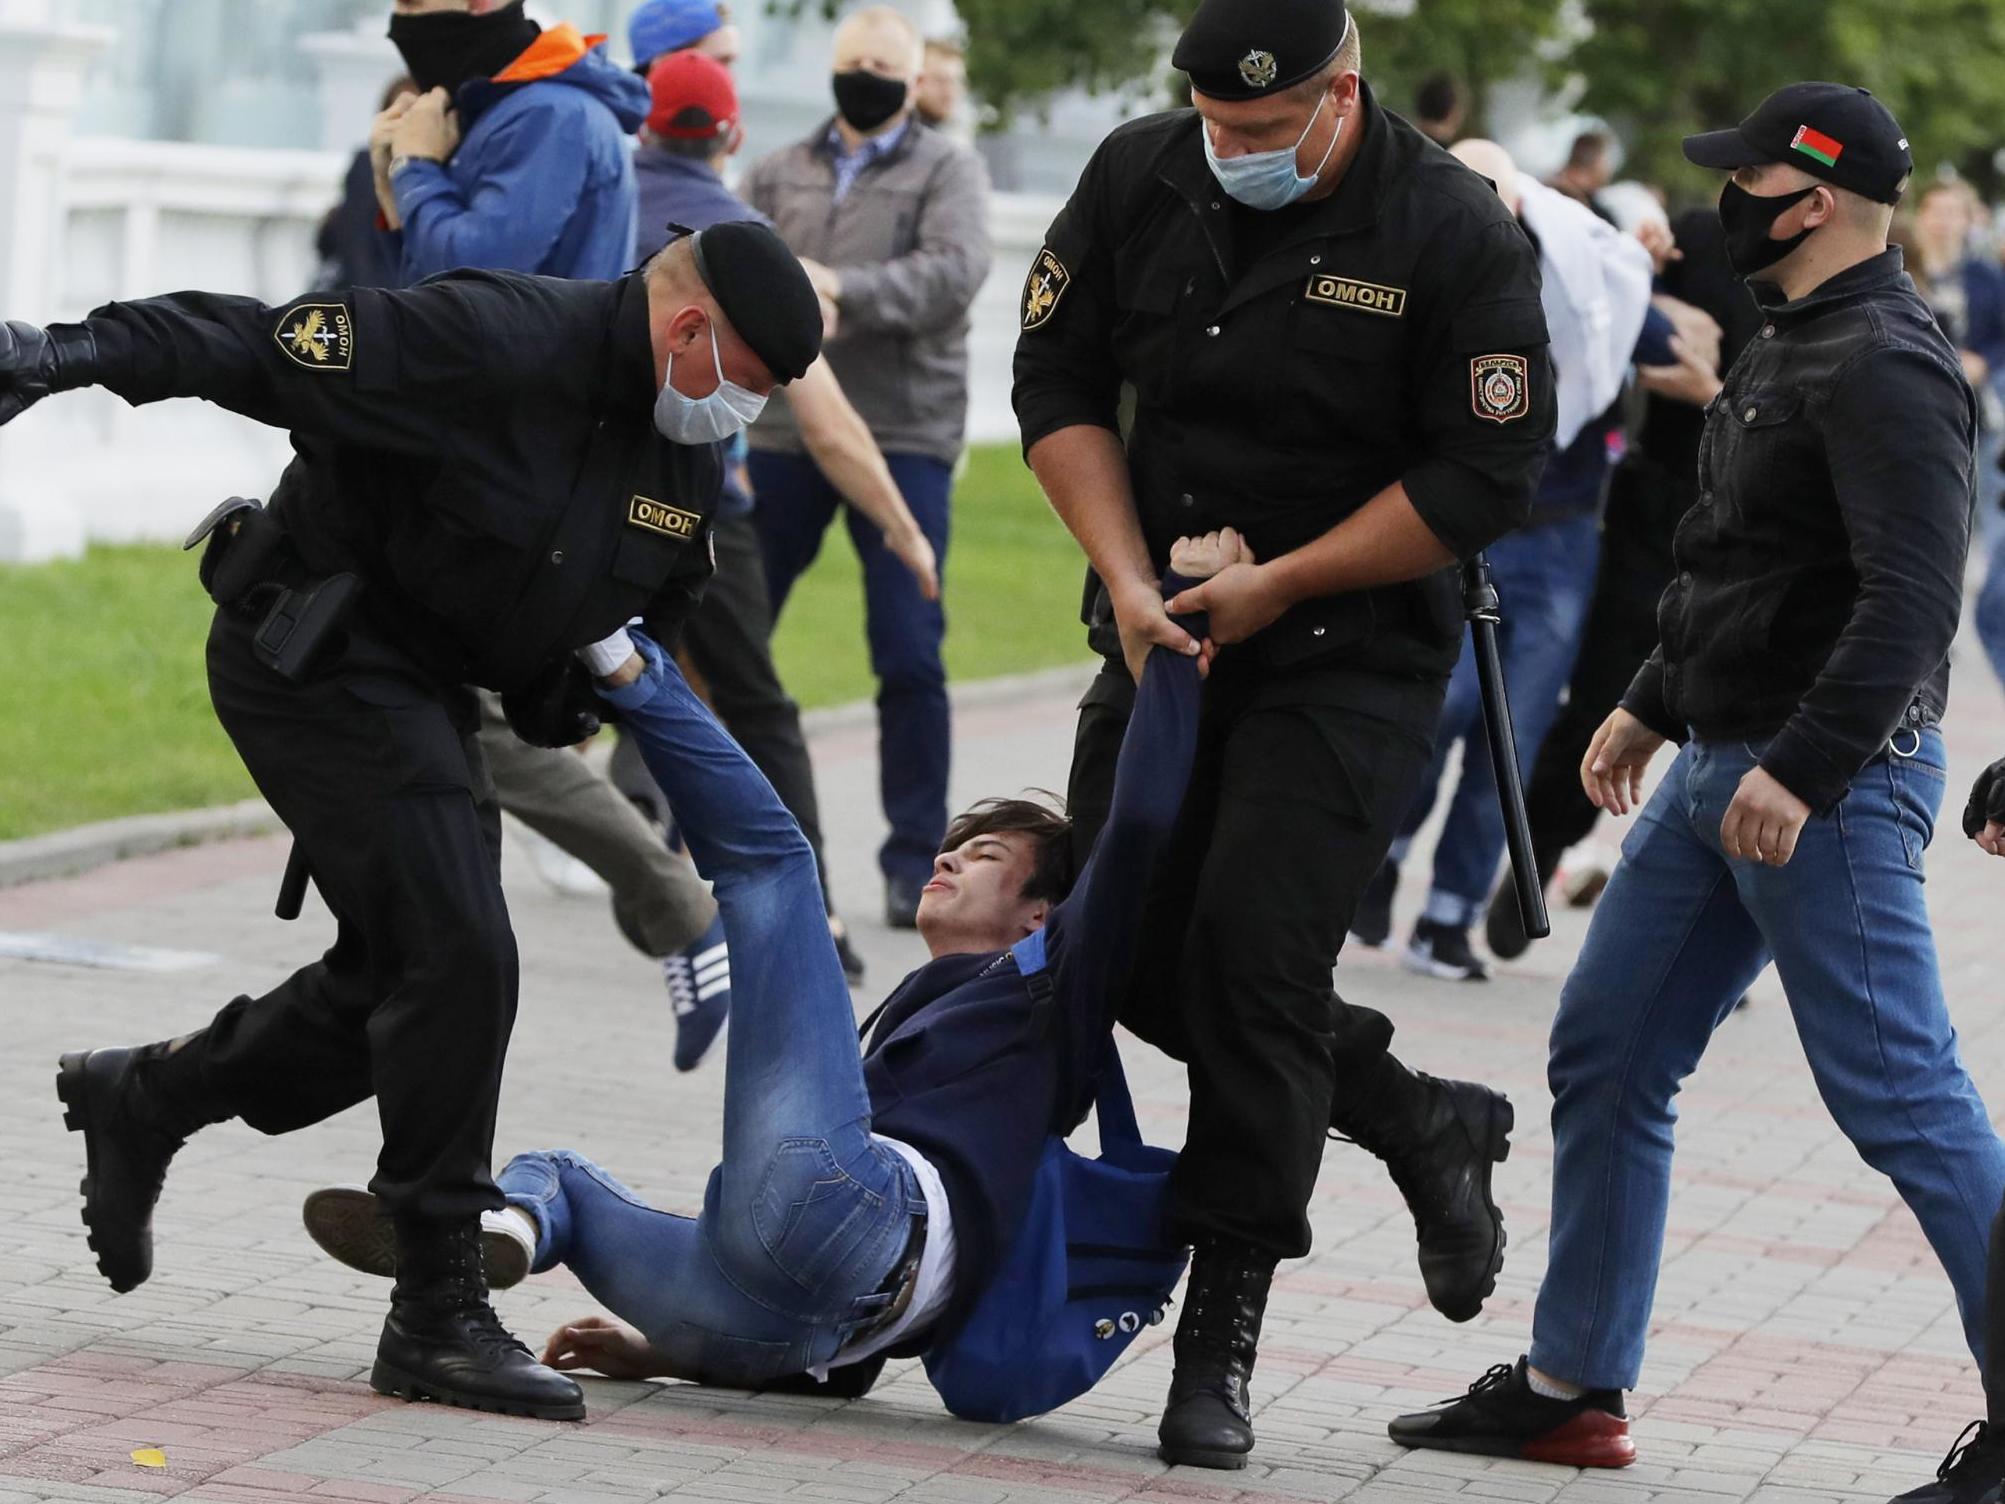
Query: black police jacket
[[1391, 333], [479, 449], [1820, 572]]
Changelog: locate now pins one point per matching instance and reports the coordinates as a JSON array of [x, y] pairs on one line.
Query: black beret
[[764, 291], [1247, 49]]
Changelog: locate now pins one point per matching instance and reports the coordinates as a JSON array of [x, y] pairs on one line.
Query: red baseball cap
[[694, 98]]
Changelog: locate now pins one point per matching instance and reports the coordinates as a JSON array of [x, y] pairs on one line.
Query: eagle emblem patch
[[1043, 288], [318, 336], [1258, 69], [1500, 387]]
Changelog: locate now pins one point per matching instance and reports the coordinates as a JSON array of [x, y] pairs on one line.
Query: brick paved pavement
[[1806, 1347]]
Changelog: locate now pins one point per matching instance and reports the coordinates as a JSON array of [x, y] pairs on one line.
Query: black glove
[[555, 709], [35, 362], [1987, 800]]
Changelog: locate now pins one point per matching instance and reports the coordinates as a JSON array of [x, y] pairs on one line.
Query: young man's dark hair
[[1588, 149], [1051, 879], [1437, 106]]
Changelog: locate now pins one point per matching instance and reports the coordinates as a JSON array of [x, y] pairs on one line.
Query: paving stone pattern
[[1806, 1347]]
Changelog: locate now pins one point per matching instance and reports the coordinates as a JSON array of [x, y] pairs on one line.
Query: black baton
[[1479, 600], [292, 887]]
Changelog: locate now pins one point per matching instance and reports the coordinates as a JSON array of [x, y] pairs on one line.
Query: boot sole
[[73, 1090], [1224, 1462], [387, 1379], [1591, 1439], [352, 1227]]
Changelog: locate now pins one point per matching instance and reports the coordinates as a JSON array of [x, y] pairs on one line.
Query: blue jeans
[[1545, 579], [1678, 936], [914, 729], [1989, 534], [807, 1216]]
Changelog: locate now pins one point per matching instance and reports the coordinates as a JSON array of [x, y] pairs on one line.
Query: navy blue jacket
[[966, 1067]]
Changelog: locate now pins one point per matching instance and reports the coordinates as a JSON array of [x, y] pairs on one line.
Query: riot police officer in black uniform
[[492, 472], [1334, 338]]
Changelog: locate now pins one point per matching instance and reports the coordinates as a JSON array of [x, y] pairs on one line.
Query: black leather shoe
[[1440, 1152], [1208, 1421], [1372, 923], [1504, 926], [901, 902], [1973, 1472], [442, 1340], [130, 1135]]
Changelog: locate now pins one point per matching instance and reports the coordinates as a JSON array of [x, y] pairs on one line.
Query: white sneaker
[[351, 1225], [558, 867]]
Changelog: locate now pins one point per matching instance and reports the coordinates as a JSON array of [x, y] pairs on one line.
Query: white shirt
[[935, 1284]]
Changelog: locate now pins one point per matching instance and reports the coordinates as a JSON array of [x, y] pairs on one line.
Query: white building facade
[[151, 145]]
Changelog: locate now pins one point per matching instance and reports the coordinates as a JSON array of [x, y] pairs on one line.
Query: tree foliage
[[1656, 69]]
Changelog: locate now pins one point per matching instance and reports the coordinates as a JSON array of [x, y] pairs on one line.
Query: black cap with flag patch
[[1248, 49], [1832, 131]]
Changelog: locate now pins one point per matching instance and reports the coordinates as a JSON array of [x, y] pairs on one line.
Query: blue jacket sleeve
[[529, 182], [1653, 345], [1985, 293], [1090, 938]]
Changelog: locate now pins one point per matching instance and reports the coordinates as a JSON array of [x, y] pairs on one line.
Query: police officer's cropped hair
[[673, 271], [1050, 834]]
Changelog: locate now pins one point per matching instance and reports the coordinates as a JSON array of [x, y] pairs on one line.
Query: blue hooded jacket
[[543, 179]]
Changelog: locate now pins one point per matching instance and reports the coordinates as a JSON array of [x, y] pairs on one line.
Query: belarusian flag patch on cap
[[1816, 144]]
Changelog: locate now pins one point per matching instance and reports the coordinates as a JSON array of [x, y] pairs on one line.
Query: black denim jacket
[[1820, 572]]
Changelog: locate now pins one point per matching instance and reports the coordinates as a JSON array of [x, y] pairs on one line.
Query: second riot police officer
[[1333, 335]]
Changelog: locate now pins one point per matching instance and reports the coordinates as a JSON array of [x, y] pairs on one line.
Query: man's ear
[[1034, 921], [1823, 208]]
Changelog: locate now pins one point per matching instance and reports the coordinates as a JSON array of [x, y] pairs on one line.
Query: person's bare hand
[[429, 128], [1144, 624], [1975, 367], [1693, 379], [381, 129], [1201, 558], [1699, 330], [1763, 820], [1658, 240], [602, 1344], [1612, 772], [1240, 599], [912, 549]]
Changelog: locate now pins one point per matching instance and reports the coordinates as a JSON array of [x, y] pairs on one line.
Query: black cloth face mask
[[446, 48], [866, 100], [1747, 219]]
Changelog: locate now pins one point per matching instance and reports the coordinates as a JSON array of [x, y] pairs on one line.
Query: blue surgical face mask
[[1267, 179], [705, 420]]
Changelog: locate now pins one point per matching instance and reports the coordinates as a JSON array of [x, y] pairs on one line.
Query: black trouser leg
[[381, 783], [1620, 633], [1298, 788], [730, 639]]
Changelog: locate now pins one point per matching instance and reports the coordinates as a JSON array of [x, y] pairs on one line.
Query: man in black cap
[[1334, 334], [1803, 662], [493, 471]]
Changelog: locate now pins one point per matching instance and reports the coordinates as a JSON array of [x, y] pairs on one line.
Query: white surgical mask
[[705, 420], [1267, 179]]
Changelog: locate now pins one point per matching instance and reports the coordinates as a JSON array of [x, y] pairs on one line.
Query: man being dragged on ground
[[864, 1200]]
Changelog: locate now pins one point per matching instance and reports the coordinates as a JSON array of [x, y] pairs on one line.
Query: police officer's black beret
[[763, 290], [1245, 49]]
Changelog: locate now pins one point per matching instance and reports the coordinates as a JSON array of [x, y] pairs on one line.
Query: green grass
[[104, 711]]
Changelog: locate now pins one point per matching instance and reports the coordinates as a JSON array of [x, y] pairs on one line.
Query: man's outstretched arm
[[361, 366]]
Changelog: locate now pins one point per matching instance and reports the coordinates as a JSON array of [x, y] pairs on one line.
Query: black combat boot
[[1208, 1421], [1439, 1141], [442, 1340], [135, 1108]]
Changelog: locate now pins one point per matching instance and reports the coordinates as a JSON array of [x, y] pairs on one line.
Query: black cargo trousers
[[1301, 777], [378, 776]]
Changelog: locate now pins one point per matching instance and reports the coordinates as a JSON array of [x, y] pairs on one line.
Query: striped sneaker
[[699, 989]]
